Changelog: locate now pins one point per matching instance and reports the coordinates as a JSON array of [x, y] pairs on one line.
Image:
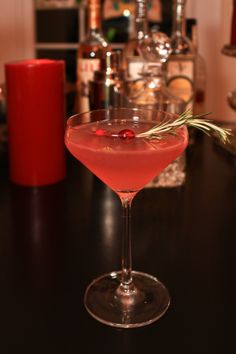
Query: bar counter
[[54, 240]]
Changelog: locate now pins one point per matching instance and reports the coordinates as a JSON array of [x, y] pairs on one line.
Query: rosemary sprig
[[187, 118]]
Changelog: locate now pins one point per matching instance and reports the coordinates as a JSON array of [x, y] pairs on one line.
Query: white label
[[180, 74], [181, 68], [135, 67], [85, 73]]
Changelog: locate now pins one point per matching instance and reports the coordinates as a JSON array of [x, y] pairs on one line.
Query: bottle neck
[[180, 43], [194, 37], [141, 21], [94, 15], [179, 23]]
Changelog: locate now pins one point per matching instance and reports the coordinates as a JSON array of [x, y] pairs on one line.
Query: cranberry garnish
[[126, 134], [100, 132]]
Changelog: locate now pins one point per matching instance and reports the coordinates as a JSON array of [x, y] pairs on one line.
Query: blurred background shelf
[[18, 33]]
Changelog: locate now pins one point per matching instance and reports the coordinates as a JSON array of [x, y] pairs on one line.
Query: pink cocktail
[[110, 144]]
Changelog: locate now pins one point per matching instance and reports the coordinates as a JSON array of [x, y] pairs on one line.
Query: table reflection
[[38, 231], [106, 214]]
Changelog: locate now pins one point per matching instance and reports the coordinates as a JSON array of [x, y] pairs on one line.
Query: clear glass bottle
[[154, 94], [150, 90], [133, 60], [181, 64], [90, 52]]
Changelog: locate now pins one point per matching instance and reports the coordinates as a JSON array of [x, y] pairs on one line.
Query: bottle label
[[135, 67], [85, 73], [181, 67], [180, 75]]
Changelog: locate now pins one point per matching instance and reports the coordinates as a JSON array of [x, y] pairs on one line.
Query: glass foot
[[143, 303]]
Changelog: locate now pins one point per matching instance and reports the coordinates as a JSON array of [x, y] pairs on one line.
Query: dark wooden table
[[54, 240]]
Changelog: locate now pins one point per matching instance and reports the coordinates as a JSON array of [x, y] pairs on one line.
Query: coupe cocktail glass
[[107, 143]]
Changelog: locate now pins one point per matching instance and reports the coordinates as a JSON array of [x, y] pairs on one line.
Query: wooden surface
[[54, 240]]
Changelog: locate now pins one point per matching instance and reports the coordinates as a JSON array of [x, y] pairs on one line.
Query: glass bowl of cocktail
[[126, 148]]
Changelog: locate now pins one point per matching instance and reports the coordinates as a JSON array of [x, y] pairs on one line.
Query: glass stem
[[126, 276]]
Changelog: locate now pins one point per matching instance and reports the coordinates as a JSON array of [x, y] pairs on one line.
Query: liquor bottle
[[181, 64], [155, 95], [105, 88], [89, 54], [134, 61], [200, 68]]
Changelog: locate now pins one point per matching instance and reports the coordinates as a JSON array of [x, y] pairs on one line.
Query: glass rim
[[72, 118]]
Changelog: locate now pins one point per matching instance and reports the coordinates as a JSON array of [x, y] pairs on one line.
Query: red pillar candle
[[35, 115], [233, 25]]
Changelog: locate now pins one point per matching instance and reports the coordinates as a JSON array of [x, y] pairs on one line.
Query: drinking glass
[[107, 142]]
